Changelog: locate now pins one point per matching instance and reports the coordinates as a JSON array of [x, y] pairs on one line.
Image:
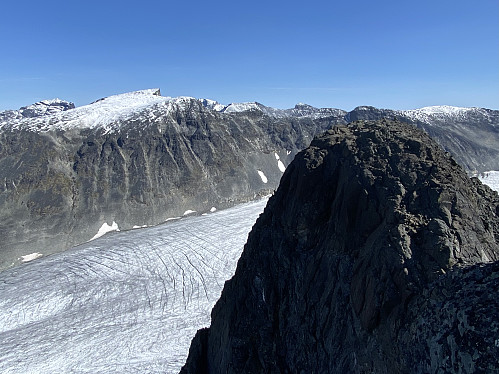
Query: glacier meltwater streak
[[128, 302]]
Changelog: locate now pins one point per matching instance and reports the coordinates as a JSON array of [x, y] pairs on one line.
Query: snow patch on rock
[[262, 176], [105, 228], [281, 166], [491, 179], [172, 219], [31, 257]]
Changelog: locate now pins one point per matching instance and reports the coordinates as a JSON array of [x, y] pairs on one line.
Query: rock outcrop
[[469, 134], [377, 254]]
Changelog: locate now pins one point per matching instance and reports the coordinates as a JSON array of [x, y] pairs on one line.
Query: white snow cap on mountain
[[146, 106], [101, 113], [241, 107], [438, 111]]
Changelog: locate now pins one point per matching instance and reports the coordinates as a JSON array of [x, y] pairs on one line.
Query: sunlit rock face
[[376, 254]]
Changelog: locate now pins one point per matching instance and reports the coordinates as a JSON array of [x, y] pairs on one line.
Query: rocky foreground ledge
[[376, 254]]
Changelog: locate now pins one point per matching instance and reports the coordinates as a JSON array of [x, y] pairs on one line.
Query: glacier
[[128, 302], [491, 179]]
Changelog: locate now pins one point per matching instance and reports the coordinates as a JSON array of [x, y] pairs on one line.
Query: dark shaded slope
[[367, 259]]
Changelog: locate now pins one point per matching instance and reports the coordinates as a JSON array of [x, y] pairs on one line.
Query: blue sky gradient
[[342, 54]]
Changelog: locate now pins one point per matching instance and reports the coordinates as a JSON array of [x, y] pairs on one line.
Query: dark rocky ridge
[[377, 254], [471, 136]]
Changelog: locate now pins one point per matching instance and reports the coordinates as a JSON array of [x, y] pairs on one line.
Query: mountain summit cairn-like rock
[[377, 254]]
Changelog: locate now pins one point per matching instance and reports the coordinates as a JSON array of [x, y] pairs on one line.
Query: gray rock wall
[[58, 187]]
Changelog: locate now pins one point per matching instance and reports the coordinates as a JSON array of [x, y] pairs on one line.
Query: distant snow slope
[[107, 113], [102, 113], [110, 111], [129, 302], [428, 114]]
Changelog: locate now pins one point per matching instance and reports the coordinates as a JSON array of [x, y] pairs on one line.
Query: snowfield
[[439, 112], [129, 302], [148, 106], [490, 178]]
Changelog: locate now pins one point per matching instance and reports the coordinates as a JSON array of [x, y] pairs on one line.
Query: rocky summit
[[377, 254]]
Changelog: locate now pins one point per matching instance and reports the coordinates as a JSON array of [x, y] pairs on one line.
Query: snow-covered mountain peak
[[39, 109], [105, 112], [441, 109], [46, 107], [242, 107], [108, 113], [364, 108], [212, 104], [303, 105], [133, 99], [438, 111], [146, 106], [307, 110]]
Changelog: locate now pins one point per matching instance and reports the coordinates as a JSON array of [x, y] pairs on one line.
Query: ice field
[[129, 302]]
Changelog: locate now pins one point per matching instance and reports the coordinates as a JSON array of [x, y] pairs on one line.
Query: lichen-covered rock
[[377, 253]]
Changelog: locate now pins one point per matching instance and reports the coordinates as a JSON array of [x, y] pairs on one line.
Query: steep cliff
[[377, 253]]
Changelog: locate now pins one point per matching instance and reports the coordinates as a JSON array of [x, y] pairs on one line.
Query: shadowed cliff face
[[376, 254]]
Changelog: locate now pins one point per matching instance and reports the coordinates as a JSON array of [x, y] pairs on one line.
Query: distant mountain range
[[68, 174]]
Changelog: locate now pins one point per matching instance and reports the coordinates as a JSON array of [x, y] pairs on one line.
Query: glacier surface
[[491, 179], [128, 302]]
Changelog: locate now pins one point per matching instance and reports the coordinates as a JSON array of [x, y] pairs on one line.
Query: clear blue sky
[[389, 54]]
